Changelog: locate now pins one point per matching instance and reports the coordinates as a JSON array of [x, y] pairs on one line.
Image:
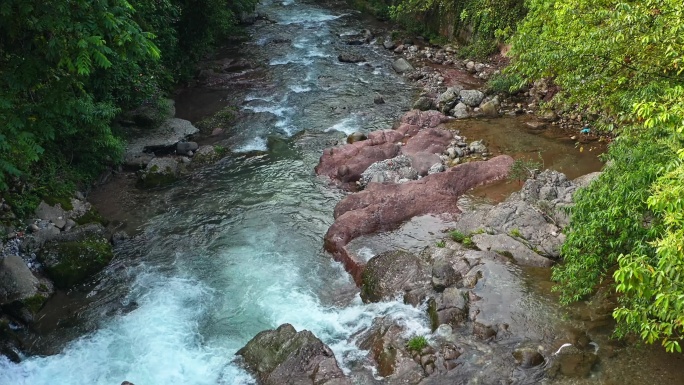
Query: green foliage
[[523, 169], [417, 343], [622, 60], [468, 242], [457, 236], [441, 244], [505, 83], [515, 232], [68, 67]]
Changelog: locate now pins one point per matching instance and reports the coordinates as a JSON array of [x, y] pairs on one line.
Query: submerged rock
[[402, 65], [286, 357], [350, 58]]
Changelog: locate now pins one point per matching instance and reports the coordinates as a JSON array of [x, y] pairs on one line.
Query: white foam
[[256, 144], [275, 110], [298, 89], [157, 343], [347, 126], [290, 60]]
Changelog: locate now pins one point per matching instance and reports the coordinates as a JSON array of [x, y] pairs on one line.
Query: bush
[[417, 343]]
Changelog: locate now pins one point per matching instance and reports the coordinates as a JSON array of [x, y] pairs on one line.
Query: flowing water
[[236, 248]]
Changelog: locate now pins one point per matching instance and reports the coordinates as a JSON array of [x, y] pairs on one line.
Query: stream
[[236, 248]]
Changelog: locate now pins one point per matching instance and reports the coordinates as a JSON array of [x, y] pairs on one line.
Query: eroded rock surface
[[286, 357]]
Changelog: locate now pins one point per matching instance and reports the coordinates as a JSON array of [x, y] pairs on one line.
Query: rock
[[431, 140], [424, 119], [38, 238], [385, 343], [208, 154], [54, 214], [478, 67], [347, 163], [379, 100], [399, 49], [389, 170], [471, 98], [477, 147], [448, 308], [286, 357], [444, 275], [435, 168], [350, 58], [391, 273], [446, 101], [549, 116], [423, 103], [69, 263], [356, 136], [402, 65], [137, 162], [159, 172], [460, 111], [490, 108], [528, 357], [573, 362], [217, 131], [536, 125], [424, 161], [585, 180], [127, 383], [384, 206], [17, 282], [388, 44], [505, 245], [185, 148], [470, 66]]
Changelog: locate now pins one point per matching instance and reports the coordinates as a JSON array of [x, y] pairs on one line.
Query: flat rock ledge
[[286, 357]]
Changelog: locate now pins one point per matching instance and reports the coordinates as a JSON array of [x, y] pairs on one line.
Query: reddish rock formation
[[382, 207], [418, 130]]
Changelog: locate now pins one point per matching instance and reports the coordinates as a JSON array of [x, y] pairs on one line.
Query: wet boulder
[[75, 256], [460, 111], [286, 357], [402, 65], [471, 98], [449, 307], [448, 99], [350, 58], [394, 273], [395, 170], [21, 293], [424, 119], [356, 136], [527, 357], [186, 148], [159, 172], [423, 103], [505, 245], [572, 361]]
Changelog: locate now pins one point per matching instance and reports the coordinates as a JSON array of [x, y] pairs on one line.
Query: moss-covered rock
[[72, 262], [92, 216], [209, 154], [159, 172]]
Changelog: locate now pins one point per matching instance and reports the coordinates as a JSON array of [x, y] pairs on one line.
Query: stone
[[185, 148], [54, 214], [17, 282], [389, 170], [208, 154], [435, 168], [150, 114], [446, 100], [424, 161], [285, 356], [572, 361], [388, 44], [528, 357], [350, 58], [159, 172], [393, 273], [379, 100], [470, 66], [460, 111], [449, 307], [70, 260], [490, 108], [477, 147], [356, 136], [471, 98], [402, 65], [423, 103]]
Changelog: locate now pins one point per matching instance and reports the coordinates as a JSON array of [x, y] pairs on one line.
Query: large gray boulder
[[390, 170], [402, 65], [286, 357], [505, 245], [472, 98], [394, 273], [448, 99], [17, 282], [159, 172], [460, 111]]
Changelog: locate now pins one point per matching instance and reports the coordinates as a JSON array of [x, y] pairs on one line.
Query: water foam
[[157, 343], [255, 144], [347, 126]]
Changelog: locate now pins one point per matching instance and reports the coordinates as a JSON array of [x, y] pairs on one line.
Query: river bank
[[235, 248]]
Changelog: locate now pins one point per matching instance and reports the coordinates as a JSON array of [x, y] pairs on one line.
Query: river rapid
[[237, 248]]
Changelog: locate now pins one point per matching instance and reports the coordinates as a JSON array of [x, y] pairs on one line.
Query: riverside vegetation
[[620, 65], [68, 68]]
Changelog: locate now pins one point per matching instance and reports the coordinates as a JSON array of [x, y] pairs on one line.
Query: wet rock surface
[[286, 357]]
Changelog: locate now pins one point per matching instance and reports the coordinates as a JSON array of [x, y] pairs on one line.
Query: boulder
[[431, 140], [460, 111], [572, 361], [471, 98], [388, 44], [54, 214], [152, 114], [423, 162], [394, 273], [350, 58], [378, 100], [75, 256], [17, 282], [356, 137], [208, 154], [477, 147], [490, 108], [446, 101], [424, 119], [423, 103], [286, 357], [159, 172], [386, 345], [449, 307], [184, 148], [528, 357], [390, 170], [402, 65]]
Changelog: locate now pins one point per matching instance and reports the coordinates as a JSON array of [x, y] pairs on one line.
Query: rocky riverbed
[[225, 230]]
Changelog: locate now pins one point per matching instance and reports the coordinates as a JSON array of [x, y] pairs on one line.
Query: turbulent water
[[238, 249]]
